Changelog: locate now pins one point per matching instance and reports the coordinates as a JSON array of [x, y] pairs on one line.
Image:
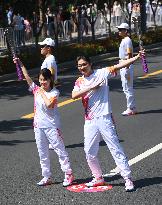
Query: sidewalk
[[70, 65]]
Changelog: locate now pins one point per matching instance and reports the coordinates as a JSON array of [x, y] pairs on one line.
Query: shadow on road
[[14, 142], [150, 111], [148, 182], [138, 183], [107, 179], [15, 125], [102, 143], [14, 90]]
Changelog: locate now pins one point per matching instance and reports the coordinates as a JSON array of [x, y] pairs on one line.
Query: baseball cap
[[48, 42], [124, 26]]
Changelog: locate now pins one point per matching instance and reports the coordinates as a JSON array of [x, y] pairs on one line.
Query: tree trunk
[[93, 31], [79, 26], [143, 15], [42, 17]]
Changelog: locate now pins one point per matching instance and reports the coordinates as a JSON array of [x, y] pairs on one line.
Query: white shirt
[[45, 117], [95, 102], [50, 63], [125, 44], [117, 10], [17, 22], [130, 7], [9, 16]]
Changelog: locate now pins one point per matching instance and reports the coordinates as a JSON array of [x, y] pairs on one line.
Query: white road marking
[[136, 159]]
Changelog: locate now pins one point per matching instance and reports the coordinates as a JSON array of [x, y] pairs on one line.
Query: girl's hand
[[40, 91], [15, 60], [141, 53]]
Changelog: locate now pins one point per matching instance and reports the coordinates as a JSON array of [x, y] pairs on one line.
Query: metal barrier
[[20, 37], [2, 38]]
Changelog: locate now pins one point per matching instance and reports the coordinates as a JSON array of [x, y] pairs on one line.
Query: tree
[[127, 7], [107, 11], [92, 19], [154, 6]]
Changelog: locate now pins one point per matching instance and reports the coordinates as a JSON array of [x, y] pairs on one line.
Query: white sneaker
[[96, 182], [45, 181], [50, 146], [129, 186], [129, 112], [68, 180]]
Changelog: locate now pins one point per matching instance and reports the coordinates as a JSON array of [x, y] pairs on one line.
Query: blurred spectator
[[28, 29], [67, 26], [107, 12], [148, 11], [18, 24], [136, 9], [35, 23], [84, 23], [159, 14], [73, 16], [117, 13], [10, 16], [60, 22], [154, 7], [129, 7], [50, 22]]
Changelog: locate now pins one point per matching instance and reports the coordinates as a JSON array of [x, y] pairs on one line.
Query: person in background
[[126, 52], [35, 23], [28, 28], [117, 12], [10, 16], [50, 22], [47, 47], [18, 24]]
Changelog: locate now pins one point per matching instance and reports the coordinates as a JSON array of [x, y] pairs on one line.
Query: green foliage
[[29, 56], [5, 65], [66, 53], [152, 37]]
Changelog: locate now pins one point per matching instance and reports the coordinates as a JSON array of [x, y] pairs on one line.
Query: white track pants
[[127, 85], [93, 129], [53, 136]]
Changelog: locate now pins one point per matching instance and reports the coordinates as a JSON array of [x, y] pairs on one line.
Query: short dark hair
[[85, 58], [46, 73]]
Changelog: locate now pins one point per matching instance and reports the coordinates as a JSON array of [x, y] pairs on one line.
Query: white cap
[[124, 26], [48, 42]]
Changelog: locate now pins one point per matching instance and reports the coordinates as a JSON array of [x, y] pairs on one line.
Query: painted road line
[[136, 159], [150, 74], [67, 102], [31, 115]]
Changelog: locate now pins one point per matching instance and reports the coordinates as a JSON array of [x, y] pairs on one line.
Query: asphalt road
[[19, 162]]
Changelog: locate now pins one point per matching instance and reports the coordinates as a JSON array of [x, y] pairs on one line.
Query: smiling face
[[44, 83], [84, 67]]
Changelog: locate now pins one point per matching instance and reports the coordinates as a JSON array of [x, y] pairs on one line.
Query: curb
[[71, 64]]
